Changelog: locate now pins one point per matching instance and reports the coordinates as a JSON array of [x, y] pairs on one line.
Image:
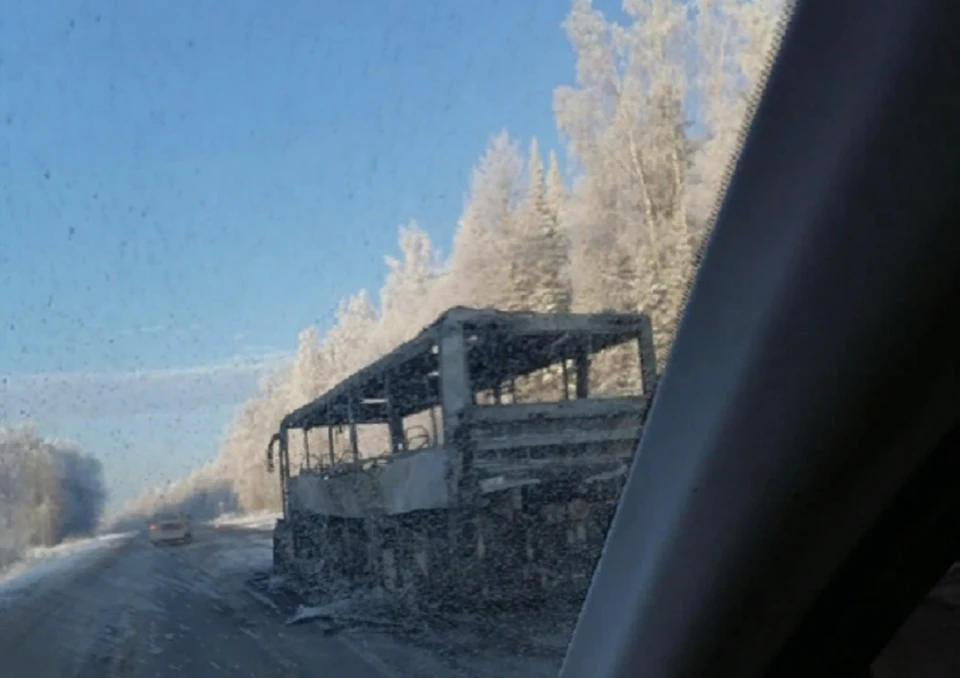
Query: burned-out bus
[[504, 441]]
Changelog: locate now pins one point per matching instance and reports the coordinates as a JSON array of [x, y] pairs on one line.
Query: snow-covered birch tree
[[649, 125]]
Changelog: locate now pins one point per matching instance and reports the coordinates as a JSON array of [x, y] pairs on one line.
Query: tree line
[[650, 125], [49, 491]]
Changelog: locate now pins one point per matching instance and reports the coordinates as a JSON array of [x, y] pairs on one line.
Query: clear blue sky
[[184, 185]]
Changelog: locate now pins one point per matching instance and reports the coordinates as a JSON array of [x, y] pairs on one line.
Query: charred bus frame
[[462, 369]]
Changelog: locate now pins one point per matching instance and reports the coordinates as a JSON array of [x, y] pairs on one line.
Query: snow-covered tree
[[306, 383], [49, 490], [543, 252], [350, 342], [485, 244], [307, 368], [408, 296], [647, 96]]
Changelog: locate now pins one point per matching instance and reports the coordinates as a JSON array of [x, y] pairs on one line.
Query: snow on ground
[[476, 645], [362, 606], [222, 561], [41, 563], [260, 520], [250, 554]]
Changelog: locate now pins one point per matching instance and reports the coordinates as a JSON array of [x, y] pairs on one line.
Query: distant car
[[170, 528]]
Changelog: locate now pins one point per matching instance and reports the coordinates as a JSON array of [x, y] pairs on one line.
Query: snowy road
[[133, 610]]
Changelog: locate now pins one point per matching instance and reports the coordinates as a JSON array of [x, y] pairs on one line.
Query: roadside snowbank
[[41, 563], [261, 520]]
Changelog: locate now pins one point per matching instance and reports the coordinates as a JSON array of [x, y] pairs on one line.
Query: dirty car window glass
[[329, 331]]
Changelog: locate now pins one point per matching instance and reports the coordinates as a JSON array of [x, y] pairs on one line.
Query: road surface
[[139, 611]]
